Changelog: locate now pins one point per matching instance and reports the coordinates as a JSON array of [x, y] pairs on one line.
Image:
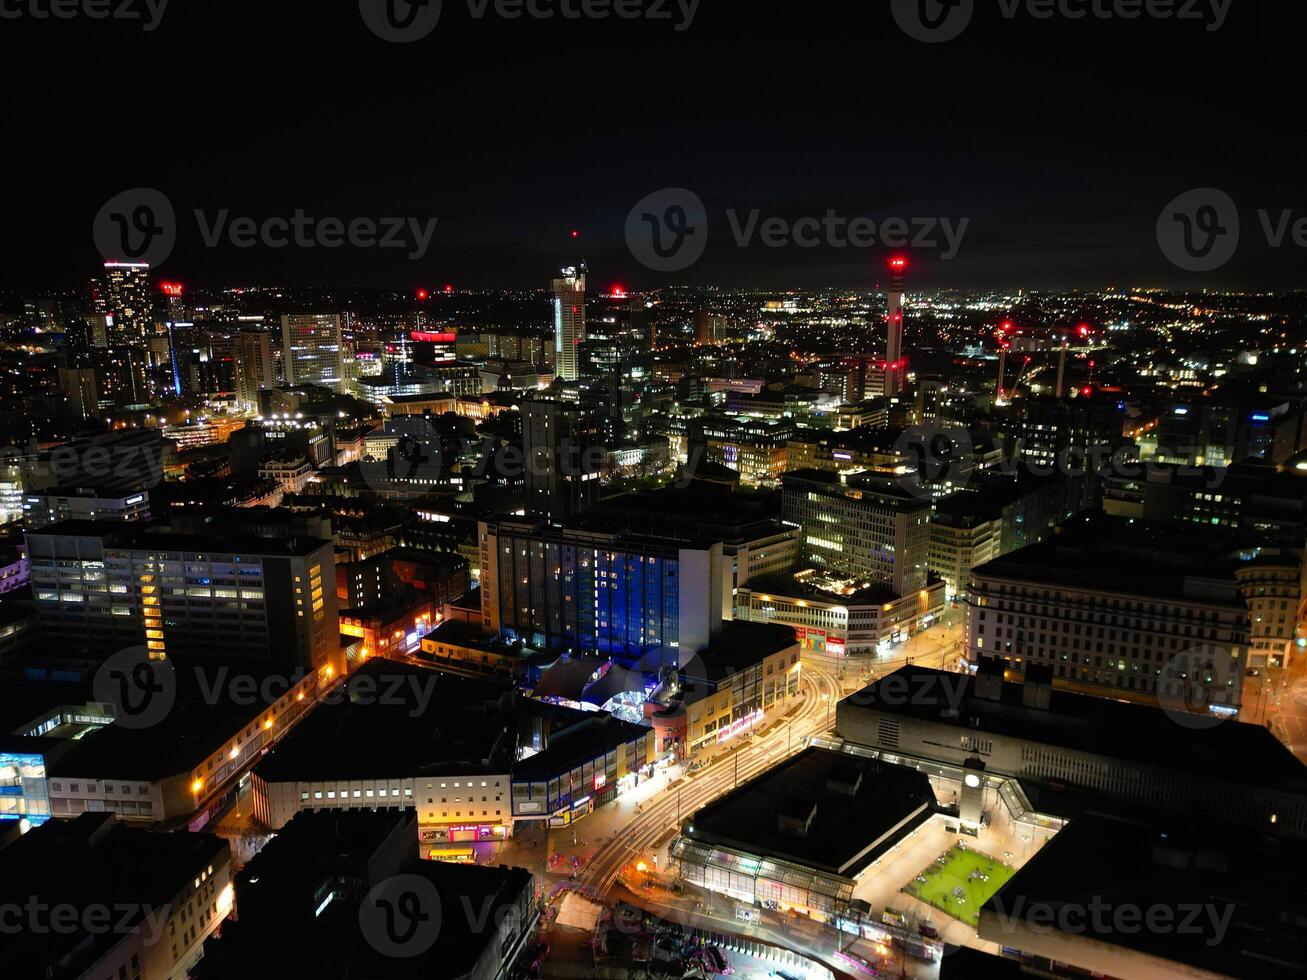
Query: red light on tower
[[618, 291], [422, 294], [898, 263], [448, 288], [1083, 330], [575, 233], [173, 289]]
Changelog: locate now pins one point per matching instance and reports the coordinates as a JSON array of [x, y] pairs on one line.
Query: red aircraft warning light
[[171, 288], [898, 263], [575, 233], [448, 288], [619, 291], [422, 294]]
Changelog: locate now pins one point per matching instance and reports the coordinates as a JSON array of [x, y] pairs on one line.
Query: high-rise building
[[129, 301], [625, 595], [563, 446], [106, 585], [569, 321], [313, 349], [79, 387], [253, 364], [866, 527]]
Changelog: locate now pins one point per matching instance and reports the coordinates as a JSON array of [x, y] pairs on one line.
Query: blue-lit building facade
[[636, 599]]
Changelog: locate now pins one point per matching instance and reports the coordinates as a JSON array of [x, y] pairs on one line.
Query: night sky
[[1060, 140]]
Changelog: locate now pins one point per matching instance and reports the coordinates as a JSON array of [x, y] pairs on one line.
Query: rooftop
[[595, 735], [397, 720], [1249, 891], [1101, 726], [93, 860], [1136, 558], [134, 536], [741, 645], [821, 809]]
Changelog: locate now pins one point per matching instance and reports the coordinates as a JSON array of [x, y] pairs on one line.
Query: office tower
[[623, 594], [106, 585], [79, 387], [313, 350], [868, 528], [129, 301], [98, 327], [175, 321], [641, 321], [895, 363], [569, 321], [122, 374], [563, 446], [1056, 430], [253, 367], [708, 328]]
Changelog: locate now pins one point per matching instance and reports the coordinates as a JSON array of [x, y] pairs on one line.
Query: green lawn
[[942, 881]]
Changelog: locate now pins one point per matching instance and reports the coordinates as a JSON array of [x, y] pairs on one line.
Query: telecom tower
[[895, 363]]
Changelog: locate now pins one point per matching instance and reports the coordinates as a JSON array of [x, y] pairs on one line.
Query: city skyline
[[1061, 164], [631, 489]]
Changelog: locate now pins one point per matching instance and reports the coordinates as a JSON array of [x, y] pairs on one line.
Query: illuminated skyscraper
[[313, 350], [253, 367], [128, 299], [569, 321]]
